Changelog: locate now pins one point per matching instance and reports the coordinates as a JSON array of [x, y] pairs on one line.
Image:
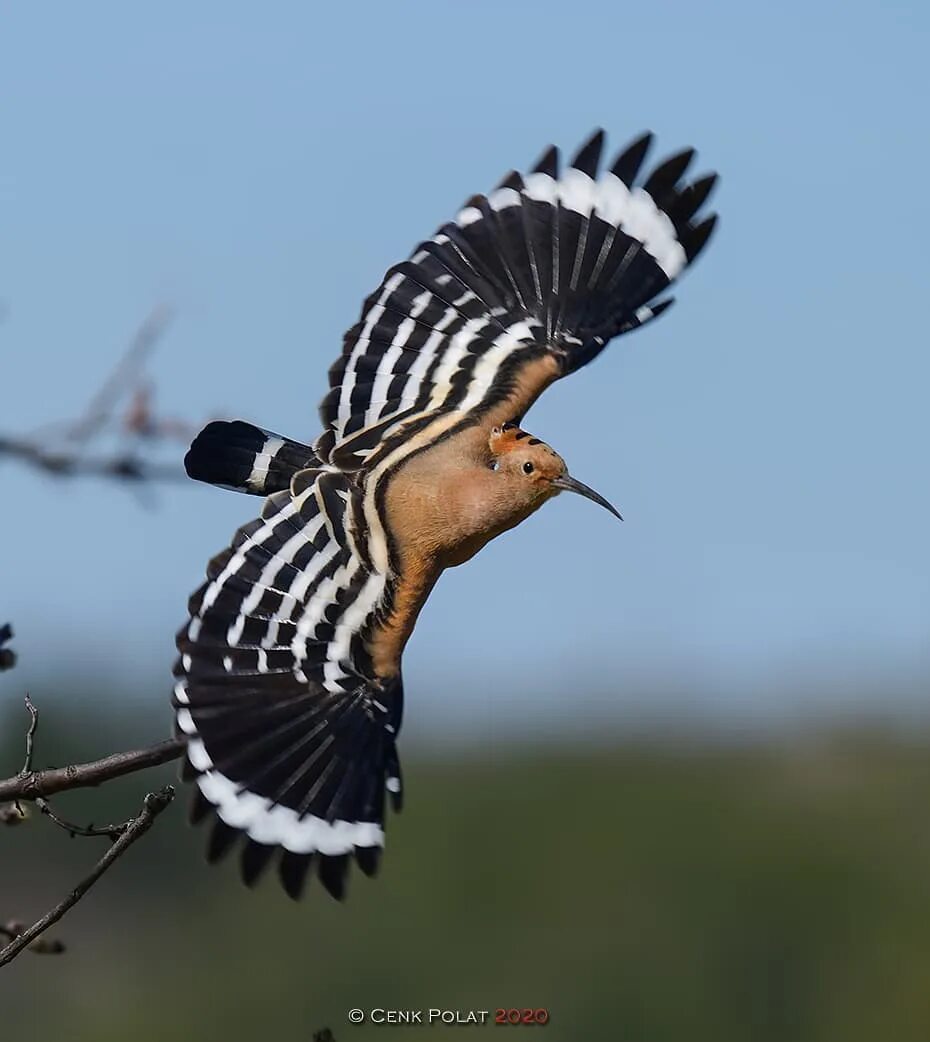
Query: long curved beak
[[570, 484]]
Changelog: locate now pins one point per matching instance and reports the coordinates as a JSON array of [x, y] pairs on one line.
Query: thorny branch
[[35, 786]]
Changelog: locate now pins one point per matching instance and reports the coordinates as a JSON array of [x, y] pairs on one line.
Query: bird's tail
[[245, 458]]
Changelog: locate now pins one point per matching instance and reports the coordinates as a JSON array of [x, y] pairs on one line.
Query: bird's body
[[289, 678]]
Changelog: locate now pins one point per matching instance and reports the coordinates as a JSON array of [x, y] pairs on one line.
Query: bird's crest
[[508, 437]]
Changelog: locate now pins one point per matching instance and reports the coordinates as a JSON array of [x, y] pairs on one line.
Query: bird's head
[[533, 472]]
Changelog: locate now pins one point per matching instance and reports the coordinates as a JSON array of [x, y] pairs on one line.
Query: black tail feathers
[[245, 458]]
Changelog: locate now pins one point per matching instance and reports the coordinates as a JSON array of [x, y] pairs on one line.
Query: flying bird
[[288, 682]]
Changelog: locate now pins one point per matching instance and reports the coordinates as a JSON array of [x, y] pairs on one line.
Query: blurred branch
[[120, 466], [126, 374], [153, 804], [30, 734], [60, 449]]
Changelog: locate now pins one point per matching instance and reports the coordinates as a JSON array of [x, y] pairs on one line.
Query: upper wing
[[289, 735], [525, 285]]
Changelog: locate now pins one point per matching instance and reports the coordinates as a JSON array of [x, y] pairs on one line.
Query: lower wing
[[290, 739]]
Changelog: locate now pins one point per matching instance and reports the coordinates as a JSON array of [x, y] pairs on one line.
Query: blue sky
[[257, 167]]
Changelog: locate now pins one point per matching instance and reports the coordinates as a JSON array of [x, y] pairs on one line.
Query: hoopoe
[[289, 690]]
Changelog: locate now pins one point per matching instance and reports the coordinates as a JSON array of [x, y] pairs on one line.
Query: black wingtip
[[332, 872], [292, 871], [701, 189], [512, 180], [548, 162], [663, 305], [187, 773], [695, 239], [692, 198], [667, 174], [627, 165], [369, 859], [200, 806], [222, 839], [588, 156], [255, 859]]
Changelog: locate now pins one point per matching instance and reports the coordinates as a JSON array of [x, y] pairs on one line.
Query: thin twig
[[80, 775], [153, 804], [112, 832], [30, 742], [30, 735]]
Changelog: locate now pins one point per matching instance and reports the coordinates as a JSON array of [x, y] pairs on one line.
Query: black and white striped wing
[[290, 738], [554, 262]]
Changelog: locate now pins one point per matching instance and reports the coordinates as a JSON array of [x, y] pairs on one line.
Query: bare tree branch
[[36, 784], [31, 785], [112, 832], [121, 467], [153, 804]]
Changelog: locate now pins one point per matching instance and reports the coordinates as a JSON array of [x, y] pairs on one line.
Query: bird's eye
[[527, 467], [494, 465]]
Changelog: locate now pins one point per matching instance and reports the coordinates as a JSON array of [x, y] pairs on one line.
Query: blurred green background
[[639, 891]]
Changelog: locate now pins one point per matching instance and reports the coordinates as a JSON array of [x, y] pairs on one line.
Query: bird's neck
[[447, 503], [440, 509]]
